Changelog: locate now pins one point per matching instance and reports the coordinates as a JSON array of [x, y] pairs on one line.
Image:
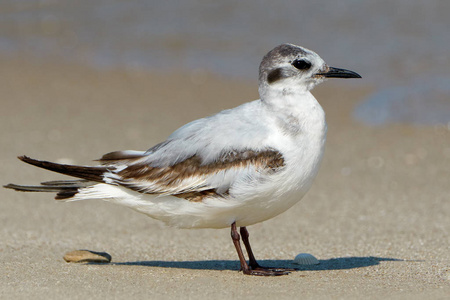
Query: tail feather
[[84, 172], [77, 183], [66, 194], [65, 189], [38, 188]]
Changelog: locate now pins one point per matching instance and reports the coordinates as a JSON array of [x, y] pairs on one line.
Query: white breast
[[302, 147]]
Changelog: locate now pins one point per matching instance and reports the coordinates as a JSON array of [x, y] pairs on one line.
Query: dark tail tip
[[28, 160], [10, 186], [39, 163]]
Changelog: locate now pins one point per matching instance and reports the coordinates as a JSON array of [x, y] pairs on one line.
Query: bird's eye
[[301, 64]]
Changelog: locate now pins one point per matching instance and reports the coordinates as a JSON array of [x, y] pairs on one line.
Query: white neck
[[294, 108], [289, 87], [286, 95]]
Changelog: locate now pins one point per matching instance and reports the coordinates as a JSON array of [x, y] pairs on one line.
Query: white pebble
[[306, 259]]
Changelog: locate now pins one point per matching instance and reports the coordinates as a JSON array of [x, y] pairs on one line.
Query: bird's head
[[289, 67]]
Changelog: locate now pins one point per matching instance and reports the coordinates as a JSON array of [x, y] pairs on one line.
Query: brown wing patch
[[200, 195], [268, 160]]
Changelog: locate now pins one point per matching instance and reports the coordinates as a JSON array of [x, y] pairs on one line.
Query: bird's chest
[[289, 125], [302, 143]]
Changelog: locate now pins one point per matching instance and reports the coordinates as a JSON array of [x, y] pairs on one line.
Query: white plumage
[[236, 168]]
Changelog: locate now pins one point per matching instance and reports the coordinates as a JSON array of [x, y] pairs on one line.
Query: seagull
[[236, 168]]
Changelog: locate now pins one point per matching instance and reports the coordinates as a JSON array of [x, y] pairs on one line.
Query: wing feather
[[193, 179]]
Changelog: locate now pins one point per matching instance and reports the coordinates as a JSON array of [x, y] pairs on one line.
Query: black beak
[[339, 73]]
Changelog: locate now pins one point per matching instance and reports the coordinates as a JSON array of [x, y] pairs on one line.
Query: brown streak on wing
[[199, 196], [268, 160]]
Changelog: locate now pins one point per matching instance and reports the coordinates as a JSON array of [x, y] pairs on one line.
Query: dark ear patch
[[275, 75]]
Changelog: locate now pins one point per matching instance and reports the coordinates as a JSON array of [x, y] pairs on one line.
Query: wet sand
[[377, 216]]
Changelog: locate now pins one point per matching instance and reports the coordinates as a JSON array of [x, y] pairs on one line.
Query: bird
[[236, 168]]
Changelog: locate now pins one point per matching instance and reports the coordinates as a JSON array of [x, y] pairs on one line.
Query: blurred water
[[389, 42], [425, 101]]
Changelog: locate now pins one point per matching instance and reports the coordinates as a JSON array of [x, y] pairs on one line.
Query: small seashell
[[305, 259], [81, 256]]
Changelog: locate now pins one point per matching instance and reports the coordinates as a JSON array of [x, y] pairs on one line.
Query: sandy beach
[[377, 216]]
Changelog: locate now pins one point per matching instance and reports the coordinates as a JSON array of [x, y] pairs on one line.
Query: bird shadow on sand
[[340, 263]]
